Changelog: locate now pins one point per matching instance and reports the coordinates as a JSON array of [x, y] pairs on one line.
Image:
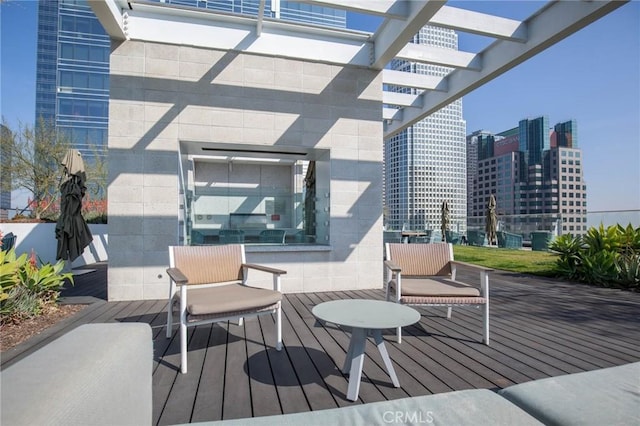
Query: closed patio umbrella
[[491, 220], [446, 218], [72, 232]]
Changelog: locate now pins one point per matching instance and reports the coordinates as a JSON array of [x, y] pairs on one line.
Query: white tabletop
[[364, 313]]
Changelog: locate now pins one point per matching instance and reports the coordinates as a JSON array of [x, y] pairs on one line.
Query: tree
[[97, 172], [35, 155]]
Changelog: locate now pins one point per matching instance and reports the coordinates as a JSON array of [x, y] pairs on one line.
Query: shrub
[[27, 287], [603, 256]]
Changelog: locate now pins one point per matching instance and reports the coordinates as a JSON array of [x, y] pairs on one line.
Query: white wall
[[41, 238], [161, 95]]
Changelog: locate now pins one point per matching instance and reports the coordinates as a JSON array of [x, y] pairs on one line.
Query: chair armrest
[[484, 275], [471, 265], [177, 276], [264, 268], [392, 266]]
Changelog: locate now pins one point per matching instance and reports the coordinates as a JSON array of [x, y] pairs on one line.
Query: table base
[[355, 360]]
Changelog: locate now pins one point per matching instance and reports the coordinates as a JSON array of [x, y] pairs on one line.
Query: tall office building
[[536, 175], [279, 9], [72, 75], [480, 145], [426, 164]]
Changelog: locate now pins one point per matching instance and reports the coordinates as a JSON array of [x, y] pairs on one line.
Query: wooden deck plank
[[237, 391], [210, 395], [539, 328], [179, 407], [282, 371], [322, 386], [264, 396]]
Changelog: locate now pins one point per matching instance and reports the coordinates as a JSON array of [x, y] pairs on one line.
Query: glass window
[[66, 78], [255, 197], [82, 52]]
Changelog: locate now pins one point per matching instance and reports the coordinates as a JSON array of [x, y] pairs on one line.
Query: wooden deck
[[539, 328]]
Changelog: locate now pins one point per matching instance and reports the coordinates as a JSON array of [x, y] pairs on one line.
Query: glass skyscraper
[[285, 10], [426, 164], [72, 74]]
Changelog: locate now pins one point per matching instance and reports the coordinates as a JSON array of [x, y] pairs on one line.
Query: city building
[[480, 145], [535, 173], [278, 9], [72, 73], [425, 164]]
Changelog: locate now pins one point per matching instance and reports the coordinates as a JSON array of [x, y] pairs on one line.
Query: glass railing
[[613, 217]]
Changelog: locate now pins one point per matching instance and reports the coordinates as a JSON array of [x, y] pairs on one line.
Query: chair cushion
[[227, 299], [435, 286]]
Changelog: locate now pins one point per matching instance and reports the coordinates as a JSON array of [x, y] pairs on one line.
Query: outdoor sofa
[[100, 374]]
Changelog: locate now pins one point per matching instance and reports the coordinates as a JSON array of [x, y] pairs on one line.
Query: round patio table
[[362, 316]]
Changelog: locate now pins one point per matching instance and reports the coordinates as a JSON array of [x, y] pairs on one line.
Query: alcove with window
[[254, 194]]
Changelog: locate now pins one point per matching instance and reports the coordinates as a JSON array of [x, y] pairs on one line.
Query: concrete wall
[[164, 94], [41, 238]]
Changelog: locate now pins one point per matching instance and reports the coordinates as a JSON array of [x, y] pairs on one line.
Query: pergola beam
[[546, 27], [393, 35], [401, 99], [260, 18], [413, 80], [109, 12], [480, 23], [440, 56]]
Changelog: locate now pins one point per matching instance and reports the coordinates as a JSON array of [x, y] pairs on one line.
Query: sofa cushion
[[96, 374], [468, 407], [609, 396]]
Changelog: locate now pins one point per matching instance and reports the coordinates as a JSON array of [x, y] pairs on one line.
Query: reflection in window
[[254, 197]]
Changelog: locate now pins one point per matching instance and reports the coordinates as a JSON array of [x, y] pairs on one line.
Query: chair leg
[[183, 330], [279, 328], [183, 348], [485, 312], [449, 312], [169, 318]]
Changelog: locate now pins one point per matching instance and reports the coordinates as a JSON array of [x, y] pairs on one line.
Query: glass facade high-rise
[[72, 74], [534, 139], [279, 9], [536, 175], [426, 164]]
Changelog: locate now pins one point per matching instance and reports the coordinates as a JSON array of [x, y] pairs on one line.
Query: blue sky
[[593, 77]]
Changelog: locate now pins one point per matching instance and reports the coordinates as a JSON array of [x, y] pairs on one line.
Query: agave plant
[[601, 238], [628, 239], [599, 267], [629, 270], [569, 249], [26, 287]]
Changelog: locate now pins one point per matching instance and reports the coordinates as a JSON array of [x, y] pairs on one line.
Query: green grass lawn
[[523, 261]]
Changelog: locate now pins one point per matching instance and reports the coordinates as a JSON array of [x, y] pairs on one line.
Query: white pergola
[[514, 41]]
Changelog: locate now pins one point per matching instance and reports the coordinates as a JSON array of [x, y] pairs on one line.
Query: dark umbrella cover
[[491, 220], [72, 232], [446, 218]]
